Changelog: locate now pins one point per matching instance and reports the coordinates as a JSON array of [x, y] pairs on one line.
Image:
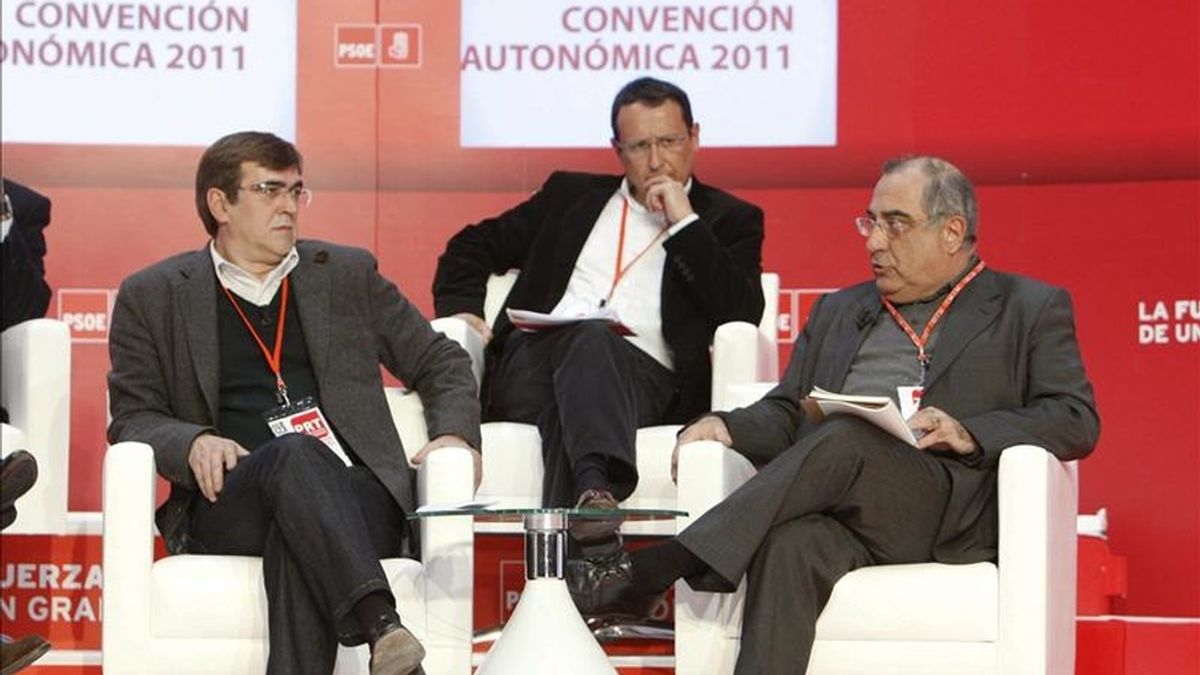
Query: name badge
[[305, 417], [910, 400]]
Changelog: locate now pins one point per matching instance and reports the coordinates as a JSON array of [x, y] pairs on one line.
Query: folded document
[[878, 410]]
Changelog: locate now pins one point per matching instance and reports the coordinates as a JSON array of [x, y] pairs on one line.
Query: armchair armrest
[[37, 395], [458, 330], [743, 354], [707, 473], [447, 542], [1038, 502], [448, 556], [707, 622], [128, 503]]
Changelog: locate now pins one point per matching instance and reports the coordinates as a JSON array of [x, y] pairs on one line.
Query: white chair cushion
[[222, 597], [922, 602]]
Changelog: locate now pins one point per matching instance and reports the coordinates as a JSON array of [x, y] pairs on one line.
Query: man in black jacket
[[670, 257], [23, 215]]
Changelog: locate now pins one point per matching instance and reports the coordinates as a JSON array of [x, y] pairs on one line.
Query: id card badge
[[305, 417], [910, 400]]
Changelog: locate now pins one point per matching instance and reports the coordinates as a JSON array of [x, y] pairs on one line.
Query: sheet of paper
[[465, 505], [530, 321], [878, 410]]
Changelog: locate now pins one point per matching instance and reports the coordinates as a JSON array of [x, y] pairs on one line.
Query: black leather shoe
[[604, 587], [394, 650], [18, 474], [590, 529], [16, 655]]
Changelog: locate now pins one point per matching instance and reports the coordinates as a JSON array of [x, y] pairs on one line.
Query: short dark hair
[[221, 166], [948, 192], [653, 93]]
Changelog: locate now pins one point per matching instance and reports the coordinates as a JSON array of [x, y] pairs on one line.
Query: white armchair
[[927, 619], [512, 458], [208, 613], [37, 395]]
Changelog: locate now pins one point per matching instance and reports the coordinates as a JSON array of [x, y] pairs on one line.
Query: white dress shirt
[[247, 286], [637, 295]]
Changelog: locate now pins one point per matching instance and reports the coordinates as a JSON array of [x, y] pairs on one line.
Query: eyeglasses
[[272, 189], [663, 143], [893, 227]]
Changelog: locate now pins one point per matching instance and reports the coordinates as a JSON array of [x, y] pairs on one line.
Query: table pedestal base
[[546, 635]]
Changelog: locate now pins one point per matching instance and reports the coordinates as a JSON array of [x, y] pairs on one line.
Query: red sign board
[[86, 312]]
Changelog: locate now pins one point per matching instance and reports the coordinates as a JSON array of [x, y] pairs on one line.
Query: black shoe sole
[[20, 473]]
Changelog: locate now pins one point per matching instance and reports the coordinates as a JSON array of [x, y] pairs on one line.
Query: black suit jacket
[[164, 382], [1006, 365], [712, 274], [26, 293]]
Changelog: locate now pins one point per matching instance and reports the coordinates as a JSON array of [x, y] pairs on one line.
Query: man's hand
[[942, 432], [665, 195], [478, 324], [210, 457], [452, 441], [707, 428]]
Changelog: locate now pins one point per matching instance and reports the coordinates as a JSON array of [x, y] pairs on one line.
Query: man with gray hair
[[983, 360]]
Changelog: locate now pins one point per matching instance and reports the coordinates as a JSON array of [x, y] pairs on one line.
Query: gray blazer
[[163, 386], [1006, 365]]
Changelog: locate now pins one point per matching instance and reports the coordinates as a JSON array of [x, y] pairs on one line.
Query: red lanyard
[[274, 357], [619, 271], [921, 341]]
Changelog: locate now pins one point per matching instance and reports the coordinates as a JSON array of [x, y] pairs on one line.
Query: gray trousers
[[844, 496]]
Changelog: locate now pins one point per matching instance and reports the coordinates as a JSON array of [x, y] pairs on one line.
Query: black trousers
[[845, 496], [587, 390], [321, 528]]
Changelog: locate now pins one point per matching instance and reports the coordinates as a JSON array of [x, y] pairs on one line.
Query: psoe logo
[[400, 45], [365, 45], [355, 45], [86, 312]]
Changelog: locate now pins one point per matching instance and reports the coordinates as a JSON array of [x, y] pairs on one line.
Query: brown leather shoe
[[590, 529], [396, 652], [16, 655]]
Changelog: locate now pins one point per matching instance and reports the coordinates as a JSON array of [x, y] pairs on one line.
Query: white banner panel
[[543, 73], [179, 72]]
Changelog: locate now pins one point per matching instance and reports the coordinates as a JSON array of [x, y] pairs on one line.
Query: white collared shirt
[[247, 286], [637, 297]]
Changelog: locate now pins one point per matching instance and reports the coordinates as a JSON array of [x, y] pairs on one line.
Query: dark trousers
[[320, 528], [587, 390], [845, 496]]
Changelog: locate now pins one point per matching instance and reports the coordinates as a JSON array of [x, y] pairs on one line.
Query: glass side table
[[546, 634]]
